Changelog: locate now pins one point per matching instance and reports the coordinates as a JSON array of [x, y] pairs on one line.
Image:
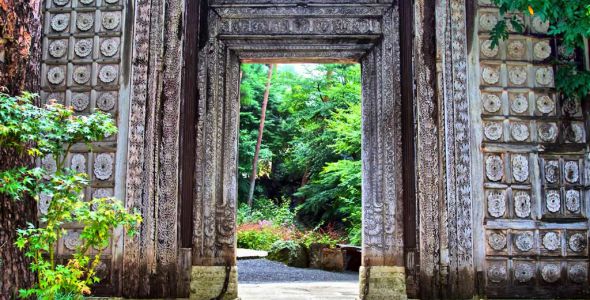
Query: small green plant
[[50, 132], [258, 239]]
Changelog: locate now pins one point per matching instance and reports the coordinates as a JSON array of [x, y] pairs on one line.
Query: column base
[[207, 282], [382, 283]]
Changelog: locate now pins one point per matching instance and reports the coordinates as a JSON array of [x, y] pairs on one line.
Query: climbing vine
[[569, 21]]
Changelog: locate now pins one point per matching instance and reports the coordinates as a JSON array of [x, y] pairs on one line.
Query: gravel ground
[[265, 271]]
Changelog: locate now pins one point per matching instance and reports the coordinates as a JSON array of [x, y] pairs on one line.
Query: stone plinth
[[382, 283], [207, 282]]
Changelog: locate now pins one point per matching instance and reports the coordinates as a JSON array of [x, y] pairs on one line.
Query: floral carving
[[553, 201], [109, 47], [102, 193], [545, 104], [517, 74], [494, 168], [487, 50], [547, 132], [540, 26], [519, 131], [103, 166], [78, 163], [44, 201], [57, 48], [493, 130], [496, 203], [86, 2], [84, 22], [491, 102], [110, 20], [544, 76], [520, 167], [49, 164], [72, 240], [490, 74], [522, 204], [575, 133], [56, 75], [106, 101], [524, 241], [571, 171], [551, 273], [80, 101], [542, 50], [577, 242], [520, 103], [578, 273], [60, 22], [83, 48], [108, 74], [551, 241], [516, 49], [552, 171], [81, 74], [497, 273], [497, 241], [61, 2], [572, 201], [487, 21], [571, 107], [523, 272]]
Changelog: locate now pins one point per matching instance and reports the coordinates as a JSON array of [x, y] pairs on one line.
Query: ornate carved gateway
[[476, 174]]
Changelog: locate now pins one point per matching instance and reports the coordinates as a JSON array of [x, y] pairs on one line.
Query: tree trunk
[[259, 142], [20, 53]]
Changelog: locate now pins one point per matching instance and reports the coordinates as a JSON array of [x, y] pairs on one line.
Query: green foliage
[[568, 20], [258, 238], [266, 210], [52, 131]]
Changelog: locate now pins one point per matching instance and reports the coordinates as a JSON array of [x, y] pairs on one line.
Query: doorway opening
[[299, 180]]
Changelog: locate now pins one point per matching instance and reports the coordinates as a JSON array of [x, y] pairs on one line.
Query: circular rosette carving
[[522, 204], [519, 131], [497, 241], [83, 48], [106, 101], [81, 74], [49, 164], [553, 201], [539, 25], [520, 168], [544, 75], [496, 204], [551, 171], [517, 75], [103, 166], [493, 130], [110, 20], [61, 2], [108, 74], [109, 47], [571, 171], [56, 75], [44, 202], [487, 21], [524, 241], [490, 75], [57, 48], [491, 102], [60, 22], [548, 132], [497, 273], [577, 242], [551, 241], [86, 2], [72, 240], [575, 133], [578, 273], [516, 49], [565, 53], [112, 1], [572, 201], [542, 50], [520, 103], [551, 273], [494, 168], [571, 107], [78, 163], [487, 50], [545, 104], [55, 97], [84, 22], [523, 272], [80, 101], [102, 193]]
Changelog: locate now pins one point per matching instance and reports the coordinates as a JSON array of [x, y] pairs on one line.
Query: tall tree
[[20, 53], [260, 132]]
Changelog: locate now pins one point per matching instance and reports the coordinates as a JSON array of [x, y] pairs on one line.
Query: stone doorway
[[367, 34]]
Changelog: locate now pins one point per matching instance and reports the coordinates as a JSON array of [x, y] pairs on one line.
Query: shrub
[[258, 239], [266, 210]]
